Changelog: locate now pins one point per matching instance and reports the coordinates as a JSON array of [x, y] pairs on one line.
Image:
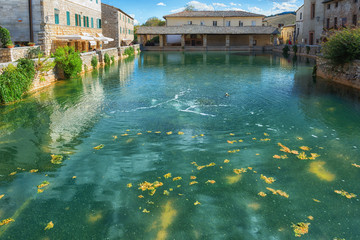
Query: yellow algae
[[197, 203], [124, 135], [94, 217], [211, 164], [318, 169], [300, 228], [166, 192], [268, 180], [231, 134], [284, 148], [302, 156], [276, 157], [305, 148], [294, 152], [168, 175], [139, 134], [241, 170], [101, 146], [299, 138], [265, 139], [129, 185], [157, 132], [193, 182], [202, 135], [50, 225], [177, 178], [262, 194], [310, 217], [180, 133], [12, 174], [250, 168], [43, 184], [315, 200], [169, 133], [145, 211], [355, 165], [226, 161], [192, 177], [167, 217], [266, 134], [115, 137], [254, 139], [231, 142], [74, 177], [314, 156], [234, 151], [33, 170], [140, 196], [56, 159], [130, 140], [128, 130], [254, 206], [6, 221], [200, 167], [149, 131], [278, 192], [345, 194], [210, 181], [258, 154], [233, 179], [1, 196], [240, 140]]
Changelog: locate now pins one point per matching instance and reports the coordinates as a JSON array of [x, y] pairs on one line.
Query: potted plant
[[31, 44], [10, 45]]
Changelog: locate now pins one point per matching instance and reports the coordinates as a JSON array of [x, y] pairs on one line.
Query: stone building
[[287, 34], [54, 23], [211, 30], [299, 25], [341, 13], [313, 22], [118, 25]]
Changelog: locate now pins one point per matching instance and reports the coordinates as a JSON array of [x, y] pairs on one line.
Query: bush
[[129, 51], [106, 59], [112, 59], [5, 38], [295, 49], [34, 53], [286, 50], [69, 61], [15, 81], [343, 46], [308, 49], [94, 62]]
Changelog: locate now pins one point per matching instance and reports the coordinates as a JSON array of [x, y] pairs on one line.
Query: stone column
[[251, 41], [161, 41], [182, 40], [165, 40], [205, 40], [227, 41], [141, 39]]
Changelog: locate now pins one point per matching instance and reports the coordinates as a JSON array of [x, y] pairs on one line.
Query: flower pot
[[10, 46]]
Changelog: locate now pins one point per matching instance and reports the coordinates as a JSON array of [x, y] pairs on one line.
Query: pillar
[[227, 41], [251, 41], [141, 39], [205, 40], [182, 40], [161, 41]]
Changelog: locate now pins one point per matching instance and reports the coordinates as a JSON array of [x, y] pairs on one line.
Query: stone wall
[[122, 50], [347, 74], [86, 58], [13, 54], [111, 51]]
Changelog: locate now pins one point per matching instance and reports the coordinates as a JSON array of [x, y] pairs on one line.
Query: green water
[[180, 92]]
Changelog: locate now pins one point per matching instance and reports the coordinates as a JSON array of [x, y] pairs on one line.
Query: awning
[[75, 37], [103, 39], [92, 43]]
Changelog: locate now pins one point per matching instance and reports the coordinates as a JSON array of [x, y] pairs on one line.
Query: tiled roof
[[195, 29], [214, 14], [118, 9]]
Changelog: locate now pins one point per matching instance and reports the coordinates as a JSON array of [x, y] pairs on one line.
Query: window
[[328, 23], [97, 1], [189, 22], [87, 21], [312, 11], [92, 22], [336, 4], [228, 23], [214, 23], [241, 24], [79, 20], [99, 23], [68, 18], [343, 22], [253, 23], [129, 31], [202, 23], [57, 21], [84, 19], [280, 25], [76, 20], [300, 16], [354, 21], [328, 6]]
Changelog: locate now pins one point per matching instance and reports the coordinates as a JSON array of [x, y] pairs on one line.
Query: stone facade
[[86, 59], [287, 33], [347, 74], [341, 13], [117, 25], [313, 23], [299, 25]]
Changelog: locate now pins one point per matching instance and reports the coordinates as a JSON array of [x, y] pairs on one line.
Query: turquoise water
[[132, 107]]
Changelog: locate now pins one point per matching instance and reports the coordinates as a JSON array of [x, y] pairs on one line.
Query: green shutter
[[92, 22], [84, 19], [56, 14], [76, 20], [68, 18], [79, 20]]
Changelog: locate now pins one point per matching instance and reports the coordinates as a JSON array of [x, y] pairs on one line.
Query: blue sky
[[144, 9]]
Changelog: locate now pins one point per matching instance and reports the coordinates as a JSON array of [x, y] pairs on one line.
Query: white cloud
[[177, 10], [201, 6], [235, 4], [219, 5], [234, 9], [283, 6], [161, 4]]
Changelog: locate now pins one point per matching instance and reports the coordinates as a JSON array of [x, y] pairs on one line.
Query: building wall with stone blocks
[[86, 59], [15, 17], [299, 25], [341, 13], [313, 23], [113, 52], [13, 54], [208, 21], [117, 25]]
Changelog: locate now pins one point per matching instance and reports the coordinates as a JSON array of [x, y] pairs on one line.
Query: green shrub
[[5, 38], [94, 62], [85, 68], [129, 51], [15, 81], [69, 61], [112, 59], [107, 59], [286, 50], [34, 53], [343, 46], [308, 49], [295, 49]]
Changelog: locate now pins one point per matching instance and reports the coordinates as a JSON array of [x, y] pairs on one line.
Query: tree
[[154, 22], [189, 7]]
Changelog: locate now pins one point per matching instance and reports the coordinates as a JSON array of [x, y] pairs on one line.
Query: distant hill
[[283, 13]]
